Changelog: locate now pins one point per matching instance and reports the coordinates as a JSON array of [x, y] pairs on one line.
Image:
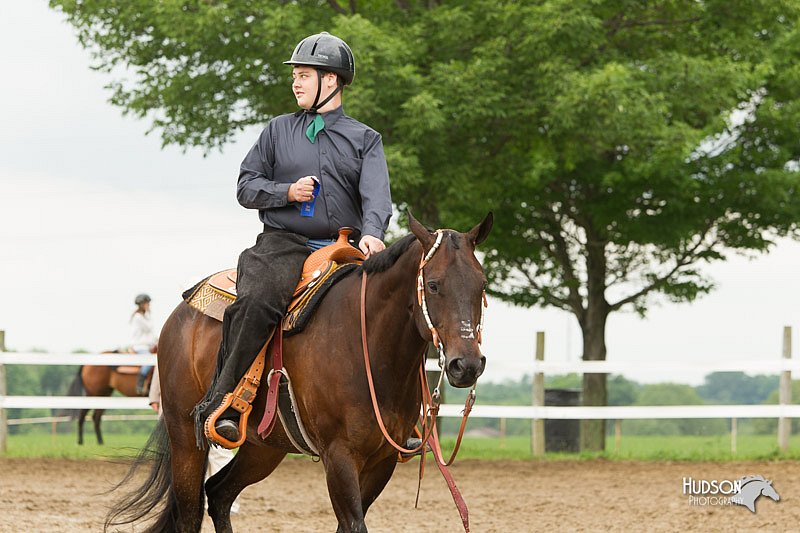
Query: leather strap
[[268, 420], [433, 409], [428, 406], [451, 483], [240, 399], [468, 403]]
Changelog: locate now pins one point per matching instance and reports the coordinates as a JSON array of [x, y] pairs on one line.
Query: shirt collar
[[330, 117]]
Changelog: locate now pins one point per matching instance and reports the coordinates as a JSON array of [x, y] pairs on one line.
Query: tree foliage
[[673, 394], [737, 388], [770, 425]]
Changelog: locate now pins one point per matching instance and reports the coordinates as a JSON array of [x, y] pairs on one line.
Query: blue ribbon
[[307, 208]]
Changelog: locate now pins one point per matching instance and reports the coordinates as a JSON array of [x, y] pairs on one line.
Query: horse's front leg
[[374, 478], [250, 465], [342, 470]]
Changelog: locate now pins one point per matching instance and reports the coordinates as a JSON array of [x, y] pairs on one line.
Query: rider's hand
[[302, 190], [154, 405], [371, 245]]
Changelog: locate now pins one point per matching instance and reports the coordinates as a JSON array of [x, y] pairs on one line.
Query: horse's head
[[450, 297], [768, 490]]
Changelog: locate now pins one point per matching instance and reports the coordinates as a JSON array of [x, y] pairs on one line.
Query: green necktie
[[316, 126]]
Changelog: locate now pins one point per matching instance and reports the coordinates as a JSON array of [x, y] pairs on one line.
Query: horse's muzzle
[[464, 372]]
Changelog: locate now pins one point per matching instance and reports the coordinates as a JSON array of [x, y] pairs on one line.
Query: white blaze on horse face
[[467, 331]]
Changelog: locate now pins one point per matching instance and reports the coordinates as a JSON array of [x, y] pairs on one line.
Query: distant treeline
[[54, 380], [718, 388]]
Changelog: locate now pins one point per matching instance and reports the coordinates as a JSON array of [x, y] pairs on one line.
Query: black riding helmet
[[326, 53]]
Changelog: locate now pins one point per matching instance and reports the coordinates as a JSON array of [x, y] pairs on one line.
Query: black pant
[[267, 275]]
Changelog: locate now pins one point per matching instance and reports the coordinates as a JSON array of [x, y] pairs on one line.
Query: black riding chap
[[267, 275]]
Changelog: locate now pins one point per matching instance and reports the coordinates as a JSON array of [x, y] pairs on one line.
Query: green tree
[[507, 392], [622, 391], [562, 381], [737, 388], [673, 394], [620, 143], [770, 425]]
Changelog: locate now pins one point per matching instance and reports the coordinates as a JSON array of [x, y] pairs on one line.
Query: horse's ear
[[421, 232], [479, 233]]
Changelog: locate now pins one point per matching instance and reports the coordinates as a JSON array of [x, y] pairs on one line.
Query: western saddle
[[214, 294]]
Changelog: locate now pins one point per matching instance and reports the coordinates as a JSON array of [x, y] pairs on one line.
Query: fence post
[[3, 416], [537, 425], [734, 434], [785, 393], [617, 435]]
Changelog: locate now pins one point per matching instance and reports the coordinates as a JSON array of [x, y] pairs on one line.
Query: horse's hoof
[[227, 429], [412, 444]]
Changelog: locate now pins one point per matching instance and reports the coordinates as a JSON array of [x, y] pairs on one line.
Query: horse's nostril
[[456, 367], [460, 366]]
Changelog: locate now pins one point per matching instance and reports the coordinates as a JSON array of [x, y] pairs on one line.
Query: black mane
[[383, 261]]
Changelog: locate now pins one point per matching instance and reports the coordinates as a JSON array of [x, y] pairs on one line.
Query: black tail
[[151, 493], [76, 388]]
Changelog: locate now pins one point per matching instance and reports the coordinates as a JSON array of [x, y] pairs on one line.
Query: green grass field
[[65, 446], [675, 448]]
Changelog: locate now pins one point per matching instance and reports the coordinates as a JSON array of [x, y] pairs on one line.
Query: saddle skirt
[[321, 270]]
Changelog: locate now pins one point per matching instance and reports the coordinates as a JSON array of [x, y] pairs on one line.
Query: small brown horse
[[95, 380], [326, 365]]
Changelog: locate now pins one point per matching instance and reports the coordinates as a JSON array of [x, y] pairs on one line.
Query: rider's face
[[304, 85]]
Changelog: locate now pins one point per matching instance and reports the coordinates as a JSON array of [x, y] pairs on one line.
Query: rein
[[429, 403]]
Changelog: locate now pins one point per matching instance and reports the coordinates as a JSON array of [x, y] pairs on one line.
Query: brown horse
[[327, 369], [93, 380]]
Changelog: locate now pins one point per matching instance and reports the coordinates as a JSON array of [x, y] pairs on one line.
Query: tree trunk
[[593, 432], [593, 327]]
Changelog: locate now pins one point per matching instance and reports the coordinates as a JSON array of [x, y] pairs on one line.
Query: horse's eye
[[433, 287]]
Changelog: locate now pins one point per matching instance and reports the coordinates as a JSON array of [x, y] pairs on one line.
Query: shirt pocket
[[349, 169]]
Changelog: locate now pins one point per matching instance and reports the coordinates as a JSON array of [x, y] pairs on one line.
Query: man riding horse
[[308, 174]]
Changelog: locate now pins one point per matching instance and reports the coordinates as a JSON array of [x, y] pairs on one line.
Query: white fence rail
[[761, 366], [454, 410], [77, 359], [72, 402], [537, 412], [448, 410]]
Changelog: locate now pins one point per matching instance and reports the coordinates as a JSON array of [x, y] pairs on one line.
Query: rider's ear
[[479, 233], [423, 235]]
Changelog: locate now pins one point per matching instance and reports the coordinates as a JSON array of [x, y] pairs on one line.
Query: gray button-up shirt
[[347, 157]]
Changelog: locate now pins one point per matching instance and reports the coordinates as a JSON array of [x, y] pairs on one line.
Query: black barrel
[[562, 435]]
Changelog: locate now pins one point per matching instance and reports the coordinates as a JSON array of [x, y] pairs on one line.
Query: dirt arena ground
[[62, 496]]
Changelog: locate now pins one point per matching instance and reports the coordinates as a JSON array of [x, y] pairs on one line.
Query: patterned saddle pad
[[214, 294]]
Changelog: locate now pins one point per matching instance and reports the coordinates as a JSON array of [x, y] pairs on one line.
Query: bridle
[[430, 403], [423, 303]]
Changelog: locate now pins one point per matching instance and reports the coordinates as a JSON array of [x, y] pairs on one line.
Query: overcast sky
[[93, 211]]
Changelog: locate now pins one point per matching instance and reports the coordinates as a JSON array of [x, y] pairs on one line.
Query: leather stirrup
[[240, 399]]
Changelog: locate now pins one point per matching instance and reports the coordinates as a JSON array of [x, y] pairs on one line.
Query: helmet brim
[[347, 77], [306, 64]]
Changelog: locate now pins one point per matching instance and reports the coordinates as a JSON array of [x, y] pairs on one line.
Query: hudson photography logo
[[743, 491]]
